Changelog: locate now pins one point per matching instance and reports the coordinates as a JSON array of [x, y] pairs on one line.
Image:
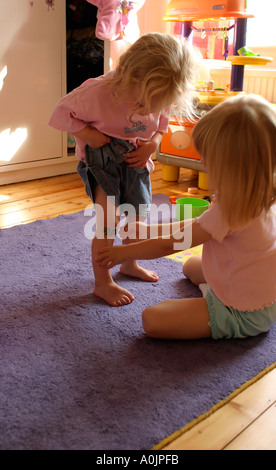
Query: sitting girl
[[237, 144]]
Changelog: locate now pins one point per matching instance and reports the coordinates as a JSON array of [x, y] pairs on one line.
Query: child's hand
[[110, 256], [139, 157]]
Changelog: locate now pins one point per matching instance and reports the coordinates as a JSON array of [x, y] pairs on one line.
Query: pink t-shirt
[[92, 104], [240, 265]]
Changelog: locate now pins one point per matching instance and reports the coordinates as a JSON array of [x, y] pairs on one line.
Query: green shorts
[[228, 322]]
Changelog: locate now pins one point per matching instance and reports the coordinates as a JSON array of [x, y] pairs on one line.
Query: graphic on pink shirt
[[92, 104], [137, 127]]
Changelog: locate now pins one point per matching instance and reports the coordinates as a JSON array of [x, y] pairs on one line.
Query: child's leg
[[192, 269], [105, 287], [180, 318], [177, 319], [132, 268]]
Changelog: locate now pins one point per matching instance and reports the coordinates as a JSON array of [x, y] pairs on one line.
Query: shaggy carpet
[[78, 374]]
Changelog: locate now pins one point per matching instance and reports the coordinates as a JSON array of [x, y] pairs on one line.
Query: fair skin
[[105, 287], [174, 318]]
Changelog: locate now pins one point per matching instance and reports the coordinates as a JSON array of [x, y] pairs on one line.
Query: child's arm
[[138, 231], [152, 248], [139, 157], [92, 137]]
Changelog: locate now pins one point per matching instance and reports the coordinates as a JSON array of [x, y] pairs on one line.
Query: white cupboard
[[32, 80], [33, 72]]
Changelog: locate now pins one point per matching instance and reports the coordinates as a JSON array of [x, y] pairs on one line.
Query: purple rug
[[78, 374]]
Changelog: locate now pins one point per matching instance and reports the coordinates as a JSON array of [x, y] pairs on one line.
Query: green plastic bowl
[[196, 207]]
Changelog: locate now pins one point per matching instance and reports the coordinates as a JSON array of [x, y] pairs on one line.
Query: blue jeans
[[107, 167]]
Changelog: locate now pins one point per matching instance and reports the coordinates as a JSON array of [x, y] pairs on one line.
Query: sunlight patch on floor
[[4, 198]]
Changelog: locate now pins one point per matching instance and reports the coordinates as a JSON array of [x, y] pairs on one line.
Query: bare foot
[[113, 294], [134, 270]]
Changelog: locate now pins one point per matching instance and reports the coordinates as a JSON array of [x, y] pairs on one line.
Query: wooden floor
[[248, 421]]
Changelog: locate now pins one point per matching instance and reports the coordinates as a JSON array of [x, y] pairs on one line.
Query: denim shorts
[[228, 322], [106, 166]]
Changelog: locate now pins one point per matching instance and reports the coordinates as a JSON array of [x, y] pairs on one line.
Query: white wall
[[150, 17]]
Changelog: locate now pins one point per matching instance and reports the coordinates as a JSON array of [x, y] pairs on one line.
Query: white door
[[32, 50]]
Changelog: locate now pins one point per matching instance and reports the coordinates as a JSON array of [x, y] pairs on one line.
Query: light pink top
[[240, 265], [92, 104]]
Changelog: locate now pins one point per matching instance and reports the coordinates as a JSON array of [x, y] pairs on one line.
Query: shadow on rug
[[78, 374]]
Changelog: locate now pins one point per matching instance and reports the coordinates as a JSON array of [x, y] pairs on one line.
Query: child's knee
[[148, 319], [188, 267], [192, 269]]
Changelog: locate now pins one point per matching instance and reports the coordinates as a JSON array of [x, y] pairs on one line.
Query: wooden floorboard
[[239, 424], [246, 422]]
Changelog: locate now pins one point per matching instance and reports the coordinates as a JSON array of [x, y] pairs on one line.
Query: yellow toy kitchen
[[218, 29]]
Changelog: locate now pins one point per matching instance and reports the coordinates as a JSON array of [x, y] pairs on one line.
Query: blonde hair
[[162, 67], [237, 143]]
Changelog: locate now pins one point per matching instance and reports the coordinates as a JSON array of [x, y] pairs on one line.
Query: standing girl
[[237, 143], [118, 120]]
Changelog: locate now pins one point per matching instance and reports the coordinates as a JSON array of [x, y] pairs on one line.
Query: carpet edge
[[180, 432]]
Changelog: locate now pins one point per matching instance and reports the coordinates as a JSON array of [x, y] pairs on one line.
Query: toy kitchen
[[218, 29]]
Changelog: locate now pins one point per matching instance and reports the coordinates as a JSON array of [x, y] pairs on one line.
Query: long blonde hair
[[163, 68], [237, 144]]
